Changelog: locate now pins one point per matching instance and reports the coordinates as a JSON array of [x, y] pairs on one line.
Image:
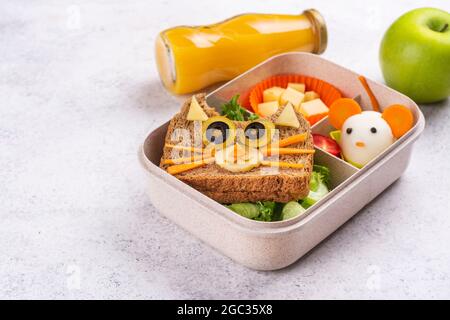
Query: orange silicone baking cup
[[328, 93]]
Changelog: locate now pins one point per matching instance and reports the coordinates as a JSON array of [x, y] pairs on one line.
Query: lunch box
[[274, 245]]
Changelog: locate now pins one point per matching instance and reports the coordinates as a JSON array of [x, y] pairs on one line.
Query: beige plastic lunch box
[[274, 245]]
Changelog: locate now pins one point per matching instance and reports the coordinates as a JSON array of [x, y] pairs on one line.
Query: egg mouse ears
[[399, 118], [342, 109]]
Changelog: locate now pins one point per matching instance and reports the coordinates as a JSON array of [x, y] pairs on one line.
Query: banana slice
[[238, 158]]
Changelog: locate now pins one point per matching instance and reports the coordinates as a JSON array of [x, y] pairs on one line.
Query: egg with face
[[364, 136]]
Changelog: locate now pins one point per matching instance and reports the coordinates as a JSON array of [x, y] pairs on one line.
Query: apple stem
[[444, 28]]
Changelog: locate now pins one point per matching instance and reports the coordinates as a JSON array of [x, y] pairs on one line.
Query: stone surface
[[79, 91]]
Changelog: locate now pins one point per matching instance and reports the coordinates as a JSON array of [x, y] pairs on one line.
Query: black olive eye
[[373, 130], [257, 133], [255, 130], [217, 132], [349, 130]]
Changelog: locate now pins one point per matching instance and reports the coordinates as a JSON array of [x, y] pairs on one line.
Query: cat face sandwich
[[230, 161]]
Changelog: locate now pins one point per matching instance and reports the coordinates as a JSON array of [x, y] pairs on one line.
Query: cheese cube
[[272, 94], [196, 112], [300, 87], [311, 95], [313, 107], [293, 96], [267, 109], [288, 117]]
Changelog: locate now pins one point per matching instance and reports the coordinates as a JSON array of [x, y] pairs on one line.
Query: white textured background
[[78, 93]]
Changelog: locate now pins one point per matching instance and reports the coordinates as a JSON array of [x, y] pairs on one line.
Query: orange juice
[[192, 58]]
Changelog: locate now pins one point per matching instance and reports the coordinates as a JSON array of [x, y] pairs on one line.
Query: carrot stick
[[183, 160], [292, 140], [373, 100], [208, 151], [192, 149], [273, 151], [178, 168], [282, 164]]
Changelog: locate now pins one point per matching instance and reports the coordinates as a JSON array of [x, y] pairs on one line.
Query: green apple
[[415, 55]]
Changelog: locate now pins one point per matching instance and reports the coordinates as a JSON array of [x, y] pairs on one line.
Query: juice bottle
[[192, 58]]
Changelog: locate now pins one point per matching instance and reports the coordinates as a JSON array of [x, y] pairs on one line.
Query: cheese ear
[[288, 117], [342, 109], [399, 118], [196, 113]]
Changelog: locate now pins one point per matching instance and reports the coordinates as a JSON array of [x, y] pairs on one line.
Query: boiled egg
[[364, 136]]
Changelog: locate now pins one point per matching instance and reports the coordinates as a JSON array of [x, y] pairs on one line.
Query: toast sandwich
[[239, 161]]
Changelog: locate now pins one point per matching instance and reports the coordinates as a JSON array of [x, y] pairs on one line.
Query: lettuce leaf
[[319, 186], [234, 111], [261, 211], [266, 210], [273, 211]]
